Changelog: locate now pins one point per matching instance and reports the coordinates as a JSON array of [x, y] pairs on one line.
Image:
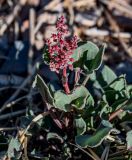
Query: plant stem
[[65, 81], [85, 80], [77, 76], [114, 114], [94, 154]]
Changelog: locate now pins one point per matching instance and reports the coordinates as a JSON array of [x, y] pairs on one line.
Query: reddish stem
[[65, 81], [77, 76], [114, 114]]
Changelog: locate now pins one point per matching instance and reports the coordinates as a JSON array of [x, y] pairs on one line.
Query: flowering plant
[[78, 115], [83, 59]]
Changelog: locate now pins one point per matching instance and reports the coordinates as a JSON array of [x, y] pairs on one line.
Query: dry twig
[[25, 82], [31, 39], [10, 19], [116, 28]]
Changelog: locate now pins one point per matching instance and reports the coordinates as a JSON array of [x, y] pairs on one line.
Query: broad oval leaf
[[43, 88], [80, 126], [78, 99], [14, 148], [97, 138], [129, 140], [62, 101], [94, 64], [106, 76], [85, 47], [116, 94], [88, 56]]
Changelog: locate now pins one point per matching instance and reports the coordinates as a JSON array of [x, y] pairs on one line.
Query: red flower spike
[[61, 50]]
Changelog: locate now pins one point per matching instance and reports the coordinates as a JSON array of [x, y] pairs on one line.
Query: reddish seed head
[[60, 49]]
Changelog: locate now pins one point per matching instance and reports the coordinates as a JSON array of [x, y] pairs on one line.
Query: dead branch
[[10, 19], [94, 32]]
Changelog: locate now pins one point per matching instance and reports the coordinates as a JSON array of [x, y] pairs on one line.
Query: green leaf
[[118, 84], [106, 76], [116, 94], [80, 126], [114, 98], [97, 138], [88, 57], [44, 90], [14, 148], [62, 101], [129, 140], [93, 64], [128, 106], [129, 88], [89, 101], [52, 135], [78, 99], [105, 110], [85, 47]]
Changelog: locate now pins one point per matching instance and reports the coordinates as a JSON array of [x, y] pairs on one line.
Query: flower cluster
[[61, 49]]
